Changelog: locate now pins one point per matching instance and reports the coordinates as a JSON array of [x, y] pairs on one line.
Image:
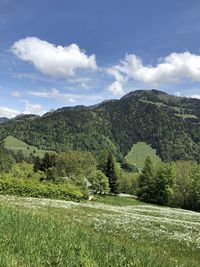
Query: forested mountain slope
[[3, 119], [170, 124]]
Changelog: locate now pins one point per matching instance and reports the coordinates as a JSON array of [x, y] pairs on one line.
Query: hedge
[[29, 188]]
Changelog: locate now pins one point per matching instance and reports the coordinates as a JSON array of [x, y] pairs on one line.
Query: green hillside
[[139, 153], [16, 145], [168, 123]]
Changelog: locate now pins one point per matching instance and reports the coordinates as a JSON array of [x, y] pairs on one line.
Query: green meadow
[[139, 153], [16, 145], [44, 232]]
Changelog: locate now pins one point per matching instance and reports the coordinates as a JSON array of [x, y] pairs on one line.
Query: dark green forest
[[170, 124]]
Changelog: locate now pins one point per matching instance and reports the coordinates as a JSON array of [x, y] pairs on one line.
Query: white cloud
[[116, 88], [16, 94], [177, 93], [53, 93], [28, 109], [67, 97], [55, 61], [170, 69], [195, 96], [8, 112], [36, 109], [116, 73]]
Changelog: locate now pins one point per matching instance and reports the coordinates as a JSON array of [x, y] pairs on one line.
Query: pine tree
[[6, 160], [37, 164], [2, 154], [145, 178], [48, 161], [111, 173]]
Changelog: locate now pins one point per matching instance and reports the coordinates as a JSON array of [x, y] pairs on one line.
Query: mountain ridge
[[170, 124], [3, 119]]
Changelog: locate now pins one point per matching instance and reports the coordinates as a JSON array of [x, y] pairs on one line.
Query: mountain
[[25, 116], [170, 124], [3, 119]]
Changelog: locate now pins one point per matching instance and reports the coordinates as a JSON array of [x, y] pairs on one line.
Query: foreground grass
[[42, 232]]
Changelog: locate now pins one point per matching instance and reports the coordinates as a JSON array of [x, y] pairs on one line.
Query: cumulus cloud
[[55, 61], [195, 96], [170, 69], [8, 112], [116, 88], [36, 109], [28, 109]]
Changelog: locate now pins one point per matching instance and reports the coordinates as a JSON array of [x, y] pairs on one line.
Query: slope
[[170, 124], [139, 153], [16, 145]]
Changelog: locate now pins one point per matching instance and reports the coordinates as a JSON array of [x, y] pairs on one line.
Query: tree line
[[175, 184]]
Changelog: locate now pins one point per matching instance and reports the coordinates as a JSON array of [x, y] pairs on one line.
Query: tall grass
[[83, 235], [28, 240]]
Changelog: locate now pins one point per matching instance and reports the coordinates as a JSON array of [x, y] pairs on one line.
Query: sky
[[56, 53]]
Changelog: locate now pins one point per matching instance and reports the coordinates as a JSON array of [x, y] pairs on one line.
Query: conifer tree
[[2, 152], [37, 164], [145, 178], [111, 173], [6, 160]]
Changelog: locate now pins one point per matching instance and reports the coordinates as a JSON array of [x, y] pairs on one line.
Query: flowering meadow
[[44, 232]]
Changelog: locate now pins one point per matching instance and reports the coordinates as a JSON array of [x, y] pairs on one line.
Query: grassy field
[[187, 116], [139, 153], [42, 232], [16, 145]]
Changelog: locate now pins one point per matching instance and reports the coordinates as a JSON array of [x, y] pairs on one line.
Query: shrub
[[128, 182], [30, 188], [99, 182]]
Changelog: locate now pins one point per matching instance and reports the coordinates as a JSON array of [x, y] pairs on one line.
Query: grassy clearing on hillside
[[42, 232], [139, 153], [187, 116], [16, 145]]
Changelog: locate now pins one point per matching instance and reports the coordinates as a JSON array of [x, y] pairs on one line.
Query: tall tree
[[37, 164], [48, 161], [162, 185], [144, 181], [6, 160], [111, 173], [2, 154], [194, 190]]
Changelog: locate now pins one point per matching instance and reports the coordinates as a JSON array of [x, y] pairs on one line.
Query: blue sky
[[63, 53]]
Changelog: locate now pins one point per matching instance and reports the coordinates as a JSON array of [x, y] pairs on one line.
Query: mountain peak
[[143, 92]]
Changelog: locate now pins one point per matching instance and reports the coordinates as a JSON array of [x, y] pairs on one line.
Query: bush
[[99, 182], [30, 188], [128, 182]]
